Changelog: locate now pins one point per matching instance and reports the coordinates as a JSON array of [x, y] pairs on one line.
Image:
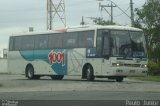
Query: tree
[[100, 21], [149, 18]]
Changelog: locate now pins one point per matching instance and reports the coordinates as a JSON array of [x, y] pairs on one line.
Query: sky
[[16, 16]]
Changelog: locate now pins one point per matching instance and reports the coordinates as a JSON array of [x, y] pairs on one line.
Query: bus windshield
[[128, 44]]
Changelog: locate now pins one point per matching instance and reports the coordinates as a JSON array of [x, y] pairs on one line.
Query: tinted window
[[86, 39], [55, 40], [103, 43], [99, 43], [18, 42], [70, 40], [81, 39], [106, 43], [120, 43], [138, 44], [22, 43], [27, 43], [41, 42], [11, 44]]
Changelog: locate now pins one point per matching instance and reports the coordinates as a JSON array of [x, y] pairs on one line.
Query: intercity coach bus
[[113, 52]]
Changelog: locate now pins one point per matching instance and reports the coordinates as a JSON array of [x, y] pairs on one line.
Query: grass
[[147, 78]]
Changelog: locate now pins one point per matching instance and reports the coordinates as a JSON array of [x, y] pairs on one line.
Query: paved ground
[[17, 87], [80, 95], [18, 83]]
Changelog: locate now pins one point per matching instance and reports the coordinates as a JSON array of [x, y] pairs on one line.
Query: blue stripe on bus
[[56, 58]]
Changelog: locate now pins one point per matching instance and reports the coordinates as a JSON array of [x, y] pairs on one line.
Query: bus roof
[[81, 28], [116, 27]]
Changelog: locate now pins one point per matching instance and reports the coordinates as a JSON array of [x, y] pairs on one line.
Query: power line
[[122, 12], [121, 9], [80, 3], [111, 6]]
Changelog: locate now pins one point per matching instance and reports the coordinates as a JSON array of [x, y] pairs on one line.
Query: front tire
[[89, 73]]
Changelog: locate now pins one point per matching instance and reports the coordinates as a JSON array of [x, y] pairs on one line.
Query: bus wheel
[[30, 72], [57, 77], [119, 79], [89, 73]]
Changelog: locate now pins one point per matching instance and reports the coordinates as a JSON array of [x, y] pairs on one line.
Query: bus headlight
[[144, 65], [115, 64]]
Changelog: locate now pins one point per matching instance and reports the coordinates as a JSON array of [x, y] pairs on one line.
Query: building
[[5, 51], [3, 62]]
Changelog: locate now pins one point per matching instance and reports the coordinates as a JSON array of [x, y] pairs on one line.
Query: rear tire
[[57, 77], [89, 73], [30, 72], [119, 79]]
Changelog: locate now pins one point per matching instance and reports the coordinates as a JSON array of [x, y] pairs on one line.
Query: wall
[[3, 66]]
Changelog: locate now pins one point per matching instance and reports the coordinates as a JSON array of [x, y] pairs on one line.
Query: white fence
[[3, 66]]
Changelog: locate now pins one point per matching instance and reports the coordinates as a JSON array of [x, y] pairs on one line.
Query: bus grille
[[132, 65]]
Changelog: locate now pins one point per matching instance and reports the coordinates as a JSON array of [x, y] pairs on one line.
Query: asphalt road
[[80, 95], [16, 87]]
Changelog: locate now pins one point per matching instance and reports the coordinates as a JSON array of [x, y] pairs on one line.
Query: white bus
[[113, 52]]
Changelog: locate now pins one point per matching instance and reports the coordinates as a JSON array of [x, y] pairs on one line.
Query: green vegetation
[[148, 18], [147, 78], [101, 21], [153, 68]]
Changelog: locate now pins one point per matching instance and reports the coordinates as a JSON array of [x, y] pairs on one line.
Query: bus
[[112, 52]]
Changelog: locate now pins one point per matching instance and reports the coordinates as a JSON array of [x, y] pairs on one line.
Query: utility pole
[[53, 10], [49, 15], [82, 23], [132, 12], [111, 6], [112, 11]]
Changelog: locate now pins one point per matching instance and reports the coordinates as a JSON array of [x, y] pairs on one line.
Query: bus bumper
[[128, 72]]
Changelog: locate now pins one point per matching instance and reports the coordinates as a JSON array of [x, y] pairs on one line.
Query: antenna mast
[[53, 10]]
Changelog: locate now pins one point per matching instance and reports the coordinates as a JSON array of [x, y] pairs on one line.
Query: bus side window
[[99, 43], [18, 43], [55, 40], [106, 44], [70, 40], [89, 38], [81, 39], [27, 43], [22, 43], [41, 42], [11, 44], [85, 39]]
